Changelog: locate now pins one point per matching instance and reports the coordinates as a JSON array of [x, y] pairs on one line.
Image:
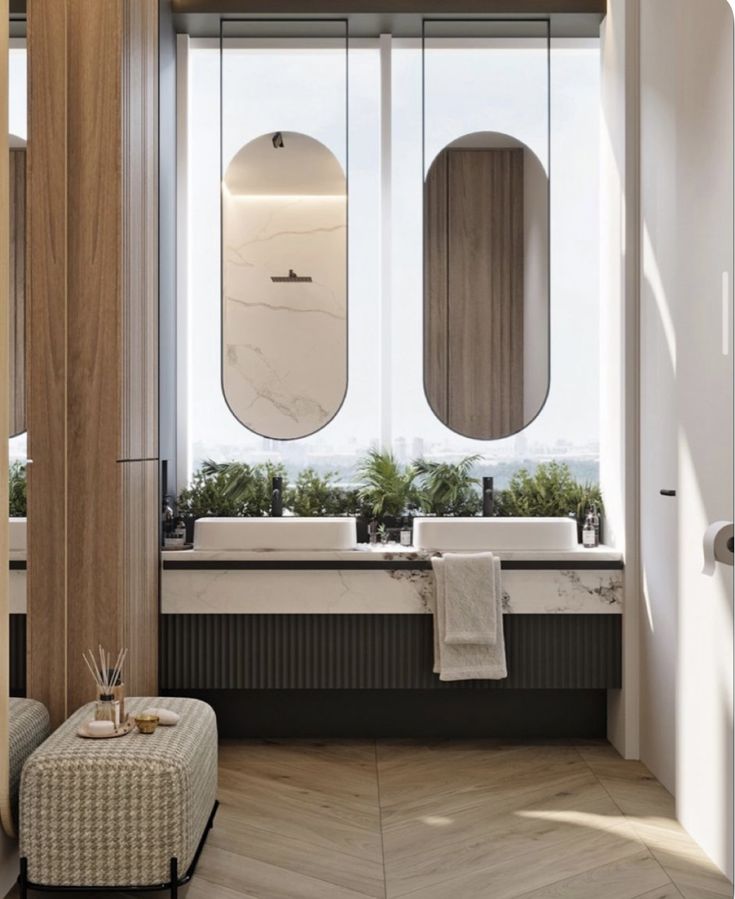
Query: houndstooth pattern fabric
[[28, 727], [114, 812]]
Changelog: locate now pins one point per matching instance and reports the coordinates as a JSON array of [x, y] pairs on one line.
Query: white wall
[[687, 409]]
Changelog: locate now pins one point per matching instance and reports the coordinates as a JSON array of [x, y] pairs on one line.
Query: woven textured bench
[[28, 727], [129, 813]]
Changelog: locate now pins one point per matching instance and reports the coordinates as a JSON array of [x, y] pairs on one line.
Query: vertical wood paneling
[[96, 570], [94, 299], [474, 251], [47, 383], [17, 297]]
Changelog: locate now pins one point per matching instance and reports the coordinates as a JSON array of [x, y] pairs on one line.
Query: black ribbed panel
[[316, 652], [18, 655]]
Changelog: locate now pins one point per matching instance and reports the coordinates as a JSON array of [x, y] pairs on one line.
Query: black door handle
[[668, 492]]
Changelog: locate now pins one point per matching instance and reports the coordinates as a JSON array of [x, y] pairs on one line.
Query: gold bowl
[[146, 724]]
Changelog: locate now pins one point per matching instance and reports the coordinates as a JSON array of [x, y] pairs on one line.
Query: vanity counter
[[387, 579]]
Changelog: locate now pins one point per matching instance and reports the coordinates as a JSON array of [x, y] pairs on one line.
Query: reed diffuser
[[109, 686]]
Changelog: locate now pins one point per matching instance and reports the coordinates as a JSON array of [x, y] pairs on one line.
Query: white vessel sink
[[232, 534], [501, 534], [17, 535]]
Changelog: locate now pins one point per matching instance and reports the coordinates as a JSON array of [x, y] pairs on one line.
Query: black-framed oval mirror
[[486, 285], [284, 284]]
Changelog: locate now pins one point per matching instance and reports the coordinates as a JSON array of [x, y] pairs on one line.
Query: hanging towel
[[469, 660], [470, 607]]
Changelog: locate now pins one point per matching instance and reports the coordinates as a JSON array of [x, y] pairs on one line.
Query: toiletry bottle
[[180, 532], [373, 532], [405, 532], [589, 535], [596, 522]]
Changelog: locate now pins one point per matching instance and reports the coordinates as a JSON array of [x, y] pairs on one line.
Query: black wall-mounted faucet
[[277, 497], [488, 498]]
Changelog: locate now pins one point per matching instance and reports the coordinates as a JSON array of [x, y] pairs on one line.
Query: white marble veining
[[284, 345], [349, 591]]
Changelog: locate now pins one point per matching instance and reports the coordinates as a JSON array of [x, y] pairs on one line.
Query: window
[[398, 416]]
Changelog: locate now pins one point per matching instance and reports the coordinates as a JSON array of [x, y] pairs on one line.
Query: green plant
[[17, 490], [448, 488], [550, 491], [230, 489], [387, 487], [315, 494]]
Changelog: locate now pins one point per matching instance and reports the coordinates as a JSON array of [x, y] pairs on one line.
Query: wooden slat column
[[92, 413]]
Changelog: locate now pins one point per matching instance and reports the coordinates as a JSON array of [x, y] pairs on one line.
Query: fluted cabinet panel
[[395, 652]]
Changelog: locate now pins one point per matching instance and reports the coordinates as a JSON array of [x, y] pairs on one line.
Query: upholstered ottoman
[[28, 727], [126, 812]]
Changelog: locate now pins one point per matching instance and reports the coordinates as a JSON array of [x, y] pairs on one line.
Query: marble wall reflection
[[284, 344]]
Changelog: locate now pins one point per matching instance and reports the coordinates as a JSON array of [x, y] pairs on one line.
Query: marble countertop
[[382, 553]]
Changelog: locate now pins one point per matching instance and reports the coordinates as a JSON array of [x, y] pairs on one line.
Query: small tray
[[120, 732]]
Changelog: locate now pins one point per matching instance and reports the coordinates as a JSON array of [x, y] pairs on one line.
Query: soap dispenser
[[590, 537]]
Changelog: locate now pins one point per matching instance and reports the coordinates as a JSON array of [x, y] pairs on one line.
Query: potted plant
[[227, 490], [551, 491], [448, 488], [17, 490], [387, 488]]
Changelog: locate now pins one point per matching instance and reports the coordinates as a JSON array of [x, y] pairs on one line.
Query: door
[[687, 407]]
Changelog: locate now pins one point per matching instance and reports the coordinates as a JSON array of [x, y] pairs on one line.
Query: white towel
[[468, 661], [470, 609]]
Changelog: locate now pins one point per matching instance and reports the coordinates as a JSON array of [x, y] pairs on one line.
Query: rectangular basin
[[233, 534], [501, 534], [17, 535]]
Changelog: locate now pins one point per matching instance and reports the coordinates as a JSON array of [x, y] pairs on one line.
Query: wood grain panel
[[435, 290], [94, 299], [473, 338], [93, 337], [17, 296], [47, 385]]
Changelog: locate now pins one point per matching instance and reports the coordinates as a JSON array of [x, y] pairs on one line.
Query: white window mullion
[[386, 249]]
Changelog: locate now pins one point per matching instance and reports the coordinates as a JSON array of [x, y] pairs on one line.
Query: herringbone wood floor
[[434, 820], [464, 819]]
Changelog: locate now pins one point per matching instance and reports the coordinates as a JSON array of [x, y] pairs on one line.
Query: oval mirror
[[284, 283], [486, 286]]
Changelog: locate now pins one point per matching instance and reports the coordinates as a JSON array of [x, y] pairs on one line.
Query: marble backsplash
[[284, 345], [379, 591]]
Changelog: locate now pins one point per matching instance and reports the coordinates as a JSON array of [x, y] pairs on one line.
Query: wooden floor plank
[[619, 880], [443, 819]]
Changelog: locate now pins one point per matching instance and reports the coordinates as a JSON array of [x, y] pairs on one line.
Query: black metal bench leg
[[174, 878], [23, 878]]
